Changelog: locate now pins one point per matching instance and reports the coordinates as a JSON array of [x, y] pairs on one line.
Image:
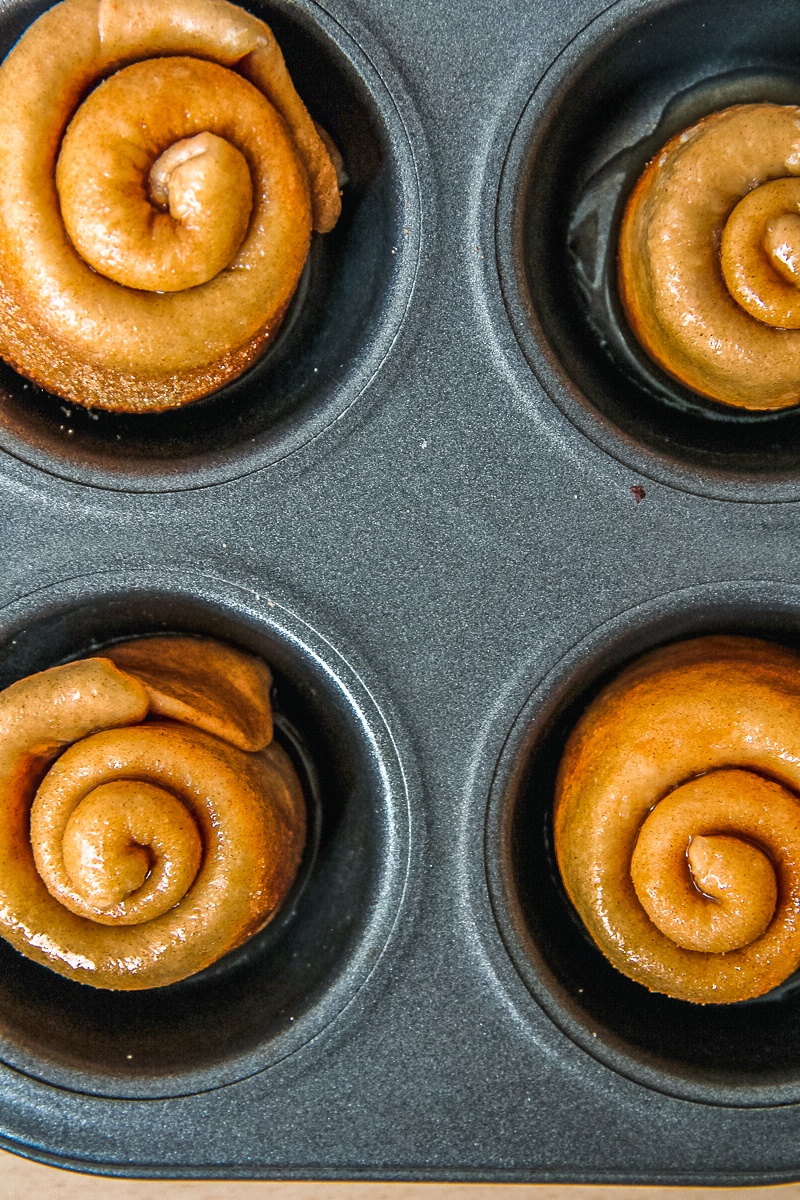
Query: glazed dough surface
[[709, 257], [174, 259], [138, 850], [677, 819]]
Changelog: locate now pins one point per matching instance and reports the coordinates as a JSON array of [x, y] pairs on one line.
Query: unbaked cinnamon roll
[[677, 819], [149, 824], [159, 181], [709, 257]]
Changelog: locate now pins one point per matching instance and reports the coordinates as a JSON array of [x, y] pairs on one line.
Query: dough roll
[[159, 181], [709, 257], [677, 819], [136, 849]]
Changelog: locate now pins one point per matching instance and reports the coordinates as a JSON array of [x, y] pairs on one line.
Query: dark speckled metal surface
[[441, 546]]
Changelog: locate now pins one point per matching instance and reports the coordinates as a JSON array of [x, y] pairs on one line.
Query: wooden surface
[[23, 1180]]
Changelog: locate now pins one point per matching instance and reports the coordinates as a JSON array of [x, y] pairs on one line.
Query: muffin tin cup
[[340, 326], [734, 1055], [629, 81], [267, 998]]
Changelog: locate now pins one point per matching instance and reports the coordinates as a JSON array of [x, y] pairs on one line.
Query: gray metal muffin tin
[[451, 501]]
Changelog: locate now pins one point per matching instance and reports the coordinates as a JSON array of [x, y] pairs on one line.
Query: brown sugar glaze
[[709, 256], [150, 823], [677, 819]]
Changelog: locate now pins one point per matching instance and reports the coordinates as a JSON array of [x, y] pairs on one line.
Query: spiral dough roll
[[138, 849], [709, 257], [153, 229], [677, 819]]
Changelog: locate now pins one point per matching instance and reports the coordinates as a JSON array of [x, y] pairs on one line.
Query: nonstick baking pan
[[451, 502]]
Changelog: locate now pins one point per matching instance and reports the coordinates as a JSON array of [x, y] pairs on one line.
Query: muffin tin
[[446, 507]]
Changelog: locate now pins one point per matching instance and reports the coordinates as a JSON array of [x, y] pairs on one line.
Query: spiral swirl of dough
[[139, 849], [153, 229], [709, 257], [677, 819]]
